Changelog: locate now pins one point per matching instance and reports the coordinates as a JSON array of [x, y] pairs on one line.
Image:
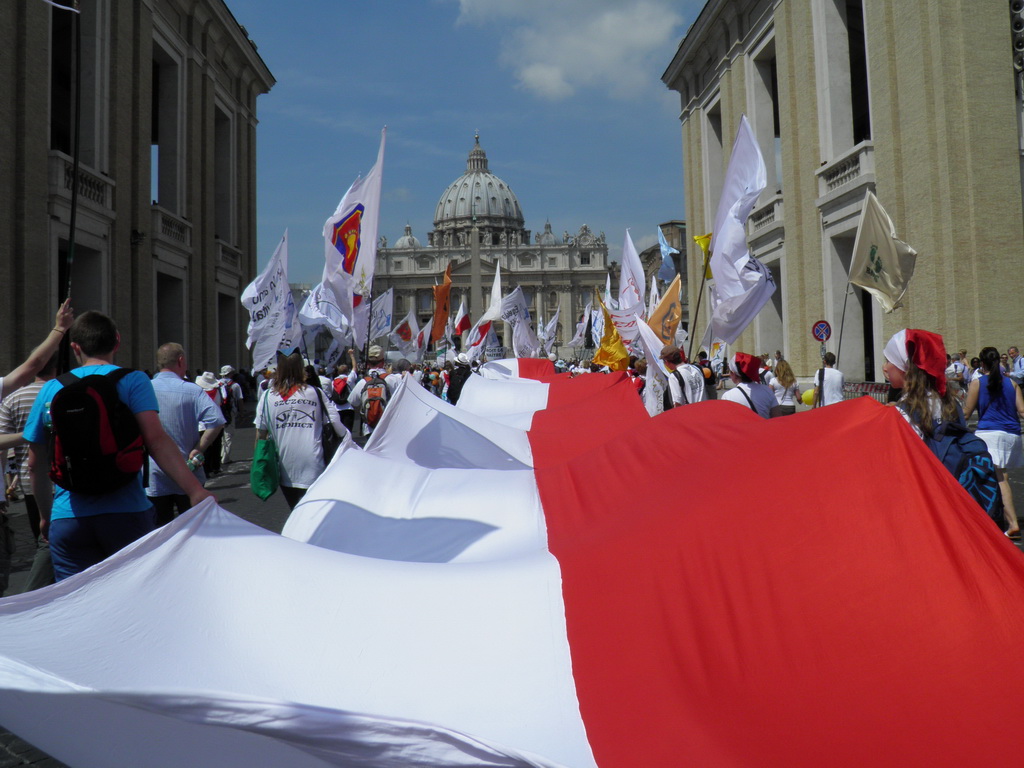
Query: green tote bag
[[264, 475]]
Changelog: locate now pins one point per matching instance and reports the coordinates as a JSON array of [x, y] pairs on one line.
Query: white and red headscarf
[[749, 365], [924, 348]]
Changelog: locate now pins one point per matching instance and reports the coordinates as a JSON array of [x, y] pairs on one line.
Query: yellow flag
[[612, 352], [704, 241], [664, 320]]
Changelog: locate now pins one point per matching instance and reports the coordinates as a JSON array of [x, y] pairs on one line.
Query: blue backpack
[[967, 458]]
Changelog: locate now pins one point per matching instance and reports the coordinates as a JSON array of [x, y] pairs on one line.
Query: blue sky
[[566, 96]]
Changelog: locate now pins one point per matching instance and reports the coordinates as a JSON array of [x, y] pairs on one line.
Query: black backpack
[[95, 443], [966, 457]]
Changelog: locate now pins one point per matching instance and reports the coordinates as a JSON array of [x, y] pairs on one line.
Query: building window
[[713, 174], [552, 261], [585, 258], [398, 265], [765, 96], [552, 300], [165, 135], [223, 176], [424, 301]]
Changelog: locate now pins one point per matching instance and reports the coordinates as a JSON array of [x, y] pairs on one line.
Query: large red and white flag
[[461, 324], [404, 334], [476, 340], [499, 601]]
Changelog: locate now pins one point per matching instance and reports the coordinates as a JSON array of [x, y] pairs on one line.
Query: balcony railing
[[850, 170], [92, 186], [228, 256], [766, 217], [170, 228]]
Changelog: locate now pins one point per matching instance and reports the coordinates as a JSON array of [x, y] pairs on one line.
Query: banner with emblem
[[350, 234], [882, 263]]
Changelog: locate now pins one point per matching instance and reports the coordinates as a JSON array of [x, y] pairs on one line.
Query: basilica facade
[[479, 226]]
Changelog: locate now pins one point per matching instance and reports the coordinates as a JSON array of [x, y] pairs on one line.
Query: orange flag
[[442, 304]]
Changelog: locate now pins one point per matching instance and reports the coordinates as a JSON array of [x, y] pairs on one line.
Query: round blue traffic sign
[[822, 330]]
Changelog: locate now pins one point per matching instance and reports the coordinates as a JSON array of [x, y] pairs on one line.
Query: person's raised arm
[[39, 356]]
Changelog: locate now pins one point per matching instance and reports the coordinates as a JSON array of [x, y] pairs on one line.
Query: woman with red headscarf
[[916, 362], [744, 370]]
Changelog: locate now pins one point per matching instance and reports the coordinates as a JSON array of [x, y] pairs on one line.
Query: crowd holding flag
[[882, 263], [350, 237], [742, 283]]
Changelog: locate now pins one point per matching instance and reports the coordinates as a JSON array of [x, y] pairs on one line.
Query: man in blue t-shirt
[[85, 529]]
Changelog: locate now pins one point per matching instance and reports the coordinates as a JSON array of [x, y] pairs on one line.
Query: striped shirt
[[13, 414]]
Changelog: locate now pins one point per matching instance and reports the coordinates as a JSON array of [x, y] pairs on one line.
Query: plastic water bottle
[[195, 462]]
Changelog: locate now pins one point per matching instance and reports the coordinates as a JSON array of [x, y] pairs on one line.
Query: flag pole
[[366, 342], [704, 242], [696, 313]]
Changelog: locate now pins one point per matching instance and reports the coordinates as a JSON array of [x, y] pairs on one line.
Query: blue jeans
[[77, 543]]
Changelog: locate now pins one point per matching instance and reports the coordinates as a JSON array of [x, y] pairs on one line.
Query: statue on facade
[[383, 242]]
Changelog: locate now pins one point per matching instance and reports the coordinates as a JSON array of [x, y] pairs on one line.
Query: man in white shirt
[[685, 381], [831, 391]]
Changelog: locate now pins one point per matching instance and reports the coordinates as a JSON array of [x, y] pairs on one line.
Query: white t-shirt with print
[[295, 422]]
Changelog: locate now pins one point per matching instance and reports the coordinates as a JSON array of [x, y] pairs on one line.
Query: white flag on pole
[[579, 339], [382, 314], [631, 279], [882, 263], [350, 235], [551, 332], [742, 285], [625, 321], [423, 340], [653, 298], [404, 334], [273, 318], [266, 292], [475, 344], [656, 378]]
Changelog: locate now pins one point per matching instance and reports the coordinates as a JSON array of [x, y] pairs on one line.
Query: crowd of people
[[181, 426]]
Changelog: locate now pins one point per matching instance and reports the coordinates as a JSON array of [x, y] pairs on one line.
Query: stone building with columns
[[919, 102], [478, 221], [166, 207]]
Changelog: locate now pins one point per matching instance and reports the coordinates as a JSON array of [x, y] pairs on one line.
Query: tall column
[[476, 305]]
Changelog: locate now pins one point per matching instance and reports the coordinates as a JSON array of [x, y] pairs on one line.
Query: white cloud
[[557, 47]]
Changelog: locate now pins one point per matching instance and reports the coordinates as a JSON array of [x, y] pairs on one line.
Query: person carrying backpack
[[1000, 408], [371, 393], [87, 431], [916, 364]]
